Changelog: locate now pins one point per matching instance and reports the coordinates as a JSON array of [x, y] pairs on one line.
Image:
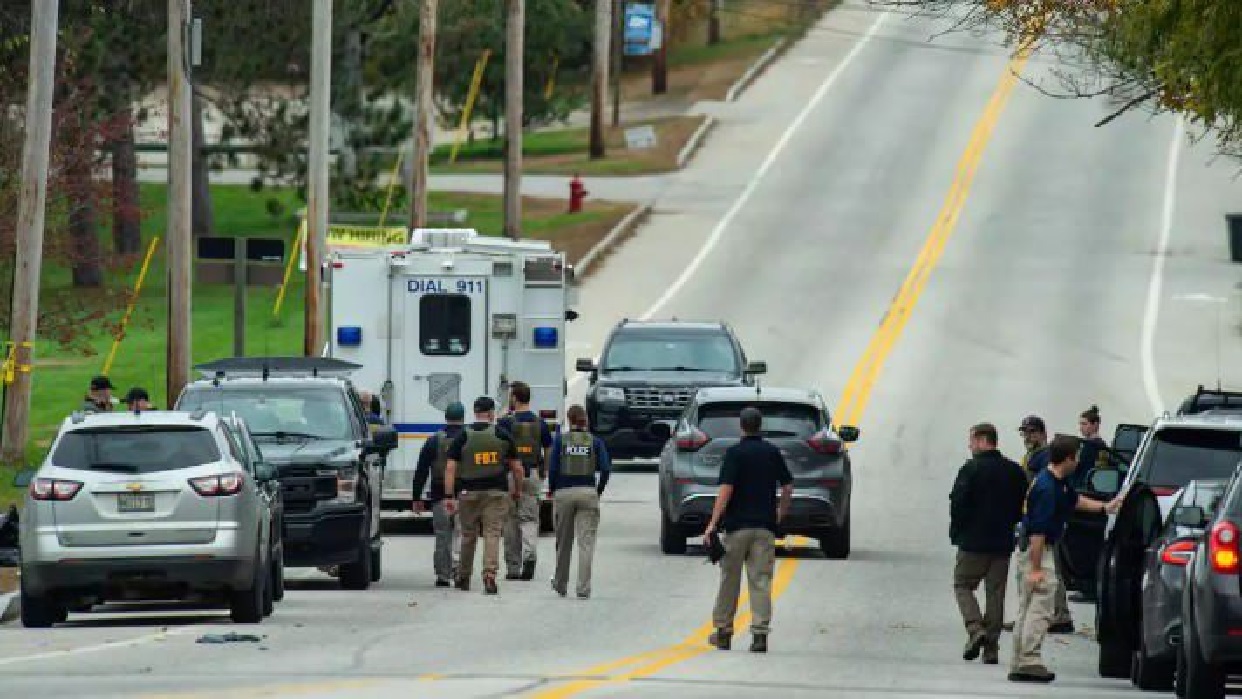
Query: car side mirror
[[660, 429], [264, 471], [756, 368], [1104, 482], [848, 433], [585, 365], [1190, 516], [384, 439], [23, 478]]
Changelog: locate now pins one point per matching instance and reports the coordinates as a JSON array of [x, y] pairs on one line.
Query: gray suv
[[133, 506], [797, 422]]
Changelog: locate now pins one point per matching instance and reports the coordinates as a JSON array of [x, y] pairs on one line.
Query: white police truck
[[450, 316]]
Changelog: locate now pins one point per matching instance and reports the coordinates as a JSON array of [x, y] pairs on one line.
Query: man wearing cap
[[477, 490], [1035, 435], [533, 439], [99, 398], [433, 462], [138, 400]]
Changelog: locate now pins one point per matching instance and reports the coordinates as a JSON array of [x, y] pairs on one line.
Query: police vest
[[440, 465], [483, 455], [578, 457], [528, 438]]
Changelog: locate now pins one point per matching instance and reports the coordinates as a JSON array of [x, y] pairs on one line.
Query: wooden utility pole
[[424, 115], [24, 320], [618, 41], [659, 66], [515, 29], [180, 236], [713, 23], [317, 173], [599, 75]]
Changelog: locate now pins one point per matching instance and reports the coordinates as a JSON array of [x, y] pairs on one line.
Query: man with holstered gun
[[1049, 503]]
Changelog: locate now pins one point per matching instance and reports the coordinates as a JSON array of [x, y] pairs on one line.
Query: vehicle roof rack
[[1206, 399], [285, 367]]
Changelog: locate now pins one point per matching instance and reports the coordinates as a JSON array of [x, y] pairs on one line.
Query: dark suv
[[648, 372], [306, 417]]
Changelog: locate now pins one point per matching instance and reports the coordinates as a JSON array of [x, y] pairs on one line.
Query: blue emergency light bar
[[545, 338], [349, 336]]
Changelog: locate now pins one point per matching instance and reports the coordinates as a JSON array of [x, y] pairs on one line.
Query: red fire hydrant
[[577, 193]]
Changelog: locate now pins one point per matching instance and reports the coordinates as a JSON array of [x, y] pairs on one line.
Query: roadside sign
[[640, 29], [640, 137]]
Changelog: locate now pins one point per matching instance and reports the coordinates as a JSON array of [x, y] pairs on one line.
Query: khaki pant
[[522, 526], [993, 572], [448, 541], [482, 512], [1060, 608], [756, 548], [1035, 609], [576, 517]]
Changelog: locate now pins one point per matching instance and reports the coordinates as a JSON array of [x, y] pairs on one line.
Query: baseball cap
[[1032, 422], [99, 383], [137, 394], [455, 411], [484, 404]]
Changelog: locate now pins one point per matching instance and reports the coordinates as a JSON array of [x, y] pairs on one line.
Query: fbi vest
[[482, 456], [528, 438]]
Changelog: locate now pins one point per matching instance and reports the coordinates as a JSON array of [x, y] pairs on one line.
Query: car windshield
[[144, 449], [796, 420], [706, 352], [1177, 455], [275, 412]]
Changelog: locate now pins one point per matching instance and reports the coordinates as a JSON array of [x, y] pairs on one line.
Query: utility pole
[[599, 75], [618, 38], [424, 116], [515, 29], [180, 202], [317, 173], [713, 23], [659, 67], [24, 320]]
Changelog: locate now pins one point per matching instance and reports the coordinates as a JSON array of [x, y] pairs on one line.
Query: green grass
[[61, 376]]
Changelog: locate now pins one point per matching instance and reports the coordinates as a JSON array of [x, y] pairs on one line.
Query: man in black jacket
[[986, 506]]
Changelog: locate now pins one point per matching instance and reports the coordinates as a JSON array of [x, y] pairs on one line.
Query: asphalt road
[[895, 222]]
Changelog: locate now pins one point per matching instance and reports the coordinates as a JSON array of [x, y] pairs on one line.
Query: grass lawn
[[564, 151], [60, 377]]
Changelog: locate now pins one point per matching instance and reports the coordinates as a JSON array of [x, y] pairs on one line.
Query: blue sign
[[640, 29]]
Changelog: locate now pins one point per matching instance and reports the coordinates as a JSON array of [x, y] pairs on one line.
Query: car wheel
[[357, 575], [1203, 681], [246, 606], [672, 538], [836, 543], [377, 563], [41, 611], [278, 575], [1150, 674]]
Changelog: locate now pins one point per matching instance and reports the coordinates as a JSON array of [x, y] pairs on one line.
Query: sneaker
[[974, 644], [528, 570], [441, 582], [489, 585], [721, 639], [759, 644], [1032, 673], [1061, 627]]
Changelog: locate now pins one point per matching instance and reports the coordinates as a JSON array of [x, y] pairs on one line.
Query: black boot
[[759, 644], [721, 639], [528, 570]]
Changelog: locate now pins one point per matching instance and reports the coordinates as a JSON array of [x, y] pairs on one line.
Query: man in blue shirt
[[1049, 503], [533, 438], [432, 463], [577, 477]]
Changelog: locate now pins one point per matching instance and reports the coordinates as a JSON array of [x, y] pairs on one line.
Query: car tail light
[[1177, 553], [1162, 490], [823, 444], [54, 489], [1223, 548], [347, 486], [218, 486], [692, 441]]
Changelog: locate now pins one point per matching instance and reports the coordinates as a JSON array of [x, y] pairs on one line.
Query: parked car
[[1211, 641], [1160, 608], [138, 506], [272, 494], [796, 421]]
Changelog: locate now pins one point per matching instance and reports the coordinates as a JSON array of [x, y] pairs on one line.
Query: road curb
[[696, 140], [754, 70], [618, 232]]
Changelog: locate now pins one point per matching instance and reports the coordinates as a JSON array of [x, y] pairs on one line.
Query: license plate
[[135, 502]]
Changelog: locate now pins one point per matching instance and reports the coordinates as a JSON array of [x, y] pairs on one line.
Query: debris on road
[[228, 638]]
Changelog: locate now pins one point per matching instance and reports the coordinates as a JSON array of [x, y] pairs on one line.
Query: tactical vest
[[528, 438], [440, 465], [482, 455], [578, 457]]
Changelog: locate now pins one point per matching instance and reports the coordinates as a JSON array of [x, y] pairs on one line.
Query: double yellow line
[[854, 398]]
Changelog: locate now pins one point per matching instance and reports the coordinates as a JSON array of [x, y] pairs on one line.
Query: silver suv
[[139, 506]]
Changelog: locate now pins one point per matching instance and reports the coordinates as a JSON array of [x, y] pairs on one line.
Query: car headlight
[[610, 393]]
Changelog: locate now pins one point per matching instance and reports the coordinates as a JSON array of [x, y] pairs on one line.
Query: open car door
[[1126, 440], [1078, 551], [1119, 611]]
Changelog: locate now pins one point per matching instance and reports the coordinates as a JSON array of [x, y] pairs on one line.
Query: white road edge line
[[107, 645], [760, 173], [1151, 314]]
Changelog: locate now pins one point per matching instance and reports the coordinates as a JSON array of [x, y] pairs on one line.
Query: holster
[[1023, 538]]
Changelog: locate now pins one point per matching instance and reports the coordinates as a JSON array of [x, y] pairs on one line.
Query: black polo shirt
[[755, 469]]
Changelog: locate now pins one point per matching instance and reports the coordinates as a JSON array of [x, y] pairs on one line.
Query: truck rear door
[[444, 325]]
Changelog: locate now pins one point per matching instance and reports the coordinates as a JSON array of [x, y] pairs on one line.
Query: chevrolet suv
[[648, 372], [306, 417]]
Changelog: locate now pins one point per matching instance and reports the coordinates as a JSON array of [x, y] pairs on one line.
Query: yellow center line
[[857, 392]]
